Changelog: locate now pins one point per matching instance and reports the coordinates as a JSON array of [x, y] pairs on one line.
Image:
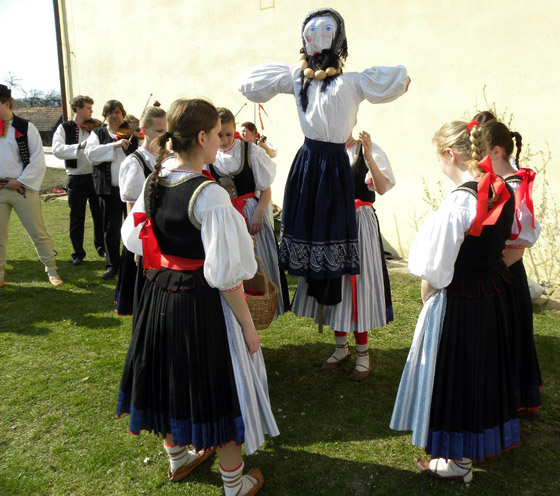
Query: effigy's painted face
[[319, 34]]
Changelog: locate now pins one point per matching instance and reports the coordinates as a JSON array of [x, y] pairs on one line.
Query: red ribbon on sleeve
[[484, 216], [150, 247], [260, 116], [525, 191]]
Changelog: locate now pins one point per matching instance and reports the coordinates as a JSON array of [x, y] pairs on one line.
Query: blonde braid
[[154, 183]]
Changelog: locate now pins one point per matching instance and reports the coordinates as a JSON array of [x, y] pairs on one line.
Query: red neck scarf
[[485, 216]]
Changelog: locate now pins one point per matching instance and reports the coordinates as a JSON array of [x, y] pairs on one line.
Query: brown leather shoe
[[256, 474], [333, 365], [183, 471], [359, 373]]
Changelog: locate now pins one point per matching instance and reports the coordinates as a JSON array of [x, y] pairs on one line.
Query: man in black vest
[[106, 151], [69, 142], [22, 169]]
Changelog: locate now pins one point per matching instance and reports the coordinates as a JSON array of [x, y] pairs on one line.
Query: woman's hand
[[252, 339], [256, 223], [365, 138], [426, 290]]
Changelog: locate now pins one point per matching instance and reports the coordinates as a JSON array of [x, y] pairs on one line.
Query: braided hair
[[330, 57], [185, 119], [498, 134]]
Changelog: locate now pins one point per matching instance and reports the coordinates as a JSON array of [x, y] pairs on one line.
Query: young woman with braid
[[457, 390], [525, 231], [133, 172], [194, 372]]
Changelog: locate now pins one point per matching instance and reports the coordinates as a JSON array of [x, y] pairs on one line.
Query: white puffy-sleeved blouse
[[382, 161], [131, 175], [434, 251], [263, 167], [229, 253], [97, 153], [330, 115], [527, 234]]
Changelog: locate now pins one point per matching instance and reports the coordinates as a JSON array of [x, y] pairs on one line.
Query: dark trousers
[[113, 210], [80, 192]]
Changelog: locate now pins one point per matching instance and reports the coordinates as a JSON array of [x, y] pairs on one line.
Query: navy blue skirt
[[319, 237]]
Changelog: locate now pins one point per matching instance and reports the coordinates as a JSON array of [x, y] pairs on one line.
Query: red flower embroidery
[[19, 134]]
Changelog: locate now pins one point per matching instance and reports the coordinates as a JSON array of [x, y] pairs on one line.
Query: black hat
[[5, 92]]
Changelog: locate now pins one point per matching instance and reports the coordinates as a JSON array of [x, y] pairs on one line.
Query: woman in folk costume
[[525, 232], [319, 239], [366, 298], [194, 372], [132, 174], [457, 390], [245, 170]]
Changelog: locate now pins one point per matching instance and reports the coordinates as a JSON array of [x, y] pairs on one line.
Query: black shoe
[[101, 251], [77, 260], [110, 273]]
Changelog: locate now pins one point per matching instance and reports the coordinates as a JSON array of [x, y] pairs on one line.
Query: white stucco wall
[[452, 49]]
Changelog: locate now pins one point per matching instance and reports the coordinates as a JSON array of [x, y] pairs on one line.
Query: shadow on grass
[[314, 406], [36, 305]]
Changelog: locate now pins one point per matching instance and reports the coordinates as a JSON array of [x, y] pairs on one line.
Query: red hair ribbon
[[485, 217], [472, 124], [260, 116], [150, 246]]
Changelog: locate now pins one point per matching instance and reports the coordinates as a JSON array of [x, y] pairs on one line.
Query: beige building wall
[[457, 53]]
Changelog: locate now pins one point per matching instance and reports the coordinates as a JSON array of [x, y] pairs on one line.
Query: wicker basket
[[262, 307]]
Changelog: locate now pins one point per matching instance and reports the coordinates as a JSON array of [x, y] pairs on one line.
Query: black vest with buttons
[[22, 126], [102, 172], [72, 133], [241, 182]]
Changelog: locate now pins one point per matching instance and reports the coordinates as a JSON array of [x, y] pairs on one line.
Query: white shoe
[[53, 276]]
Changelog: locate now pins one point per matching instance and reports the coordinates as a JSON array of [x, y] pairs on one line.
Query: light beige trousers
[[29, 212]]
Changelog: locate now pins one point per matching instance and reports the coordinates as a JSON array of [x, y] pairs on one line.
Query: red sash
[[239, 202]]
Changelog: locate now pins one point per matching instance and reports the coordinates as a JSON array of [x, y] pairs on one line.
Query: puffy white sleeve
[[263, 167], [528, 234], [382, 84], [32, 176], [131, 179], [382, 161], [130, 233], [59, 147], [97, 153], [228, 246], [434, 250], [262, 83]]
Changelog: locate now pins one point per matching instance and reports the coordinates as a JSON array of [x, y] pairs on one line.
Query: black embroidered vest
[[359, 169], [240, 182], [175, 227], [22, 126], [479, 269]]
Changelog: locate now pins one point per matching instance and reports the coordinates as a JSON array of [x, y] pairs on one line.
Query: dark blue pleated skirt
[[319, 238], [178, 377]]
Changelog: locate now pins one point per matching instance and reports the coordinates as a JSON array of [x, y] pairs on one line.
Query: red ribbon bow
[[260, 116], [472, 124], [239, 202], [150, 246], [206, 173], [485, 217]]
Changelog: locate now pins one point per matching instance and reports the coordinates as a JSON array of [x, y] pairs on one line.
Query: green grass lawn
[[61, 354]]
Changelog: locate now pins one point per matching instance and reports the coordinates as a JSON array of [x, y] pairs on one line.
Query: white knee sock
[[179, 455], [362, 359], [235, 483], [341, 348]]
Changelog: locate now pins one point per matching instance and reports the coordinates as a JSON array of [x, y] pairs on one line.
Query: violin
[[129, 128], [91, 124]]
